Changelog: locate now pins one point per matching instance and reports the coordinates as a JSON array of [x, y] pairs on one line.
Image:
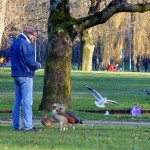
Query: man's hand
[[40, 65]]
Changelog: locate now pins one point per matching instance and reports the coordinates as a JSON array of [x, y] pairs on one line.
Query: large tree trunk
[[87, 41], [57, 86], [88, 49], [2, 17]]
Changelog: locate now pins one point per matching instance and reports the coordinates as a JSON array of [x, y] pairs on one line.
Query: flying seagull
[[101, 101]]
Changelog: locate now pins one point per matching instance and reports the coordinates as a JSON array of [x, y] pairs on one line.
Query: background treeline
[[127, 31]]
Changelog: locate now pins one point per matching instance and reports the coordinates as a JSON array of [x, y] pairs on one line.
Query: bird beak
[[53, 106]]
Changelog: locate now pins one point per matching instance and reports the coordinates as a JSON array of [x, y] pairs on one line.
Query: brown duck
[[47, 121]]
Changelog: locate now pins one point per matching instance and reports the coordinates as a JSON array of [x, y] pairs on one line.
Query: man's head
[[116, 64], [30, 32]]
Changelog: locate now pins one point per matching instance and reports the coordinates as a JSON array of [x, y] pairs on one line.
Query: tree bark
[[88, 49], [57, 85], [88, 45]]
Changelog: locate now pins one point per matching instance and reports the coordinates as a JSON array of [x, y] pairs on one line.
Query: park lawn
[[123, 87], [85, 137]]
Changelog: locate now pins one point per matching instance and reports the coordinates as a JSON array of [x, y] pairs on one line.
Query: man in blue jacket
[[23, 66]]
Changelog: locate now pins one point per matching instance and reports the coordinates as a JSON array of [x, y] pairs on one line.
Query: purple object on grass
[[135, 111]]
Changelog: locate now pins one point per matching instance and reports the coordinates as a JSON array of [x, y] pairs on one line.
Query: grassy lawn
[[85, 137], [123, 87]]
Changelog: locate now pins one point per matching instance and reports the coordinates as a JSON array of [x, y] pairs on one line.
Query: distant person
[[97, 68], [23, 66], [145, 64], [4, 62], [6, 55], [111, 68], [138, 65], [116, 67], [1, 61]]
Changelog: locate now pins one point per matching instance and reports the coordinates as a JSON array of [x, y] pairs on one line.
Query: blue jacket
[[22, 56]]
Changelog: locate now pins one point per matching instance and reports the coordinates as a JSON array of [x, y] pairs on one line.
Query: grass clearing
[[91, 137], [123, 87]]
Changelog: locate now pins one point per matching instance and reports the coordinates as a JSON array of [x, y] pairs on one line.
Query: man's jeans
[[23, 97]]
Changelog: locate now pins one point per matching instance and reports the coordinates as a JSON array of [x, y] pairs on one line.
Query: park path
[[92, 122], [79, 93], [116, 123]]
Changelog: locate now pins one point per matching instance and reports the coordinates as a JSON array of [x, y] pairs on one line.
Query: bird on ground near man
[[47, 121], [63, 122], [71, 114], [101, 101], [148, 92]]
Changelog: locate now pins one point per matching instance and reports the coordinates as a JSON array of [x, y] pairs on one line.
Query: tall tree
[[2, 17], [62, 30], [87, 50], [15, 19], [88, 39]]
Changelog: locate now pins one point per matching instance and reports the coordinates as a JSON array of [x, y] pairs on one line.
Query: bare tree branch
[[116, 6]]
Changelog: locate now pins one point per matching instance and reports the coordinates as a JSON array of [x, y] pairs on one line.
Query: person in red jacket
[[4, 62], [110, 68]]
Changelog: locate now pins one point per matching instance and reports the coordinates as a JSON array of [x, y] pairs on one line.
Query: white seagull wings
[[95, 93], [100, 100]]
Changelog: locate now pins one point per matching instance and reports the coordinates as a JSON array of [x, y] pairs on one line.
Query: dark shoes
[[33, 129], [21, 129]]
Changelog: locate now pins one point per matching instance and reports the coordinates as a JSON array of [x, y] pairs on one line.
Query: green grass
[[85, 137], [123, 87]]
